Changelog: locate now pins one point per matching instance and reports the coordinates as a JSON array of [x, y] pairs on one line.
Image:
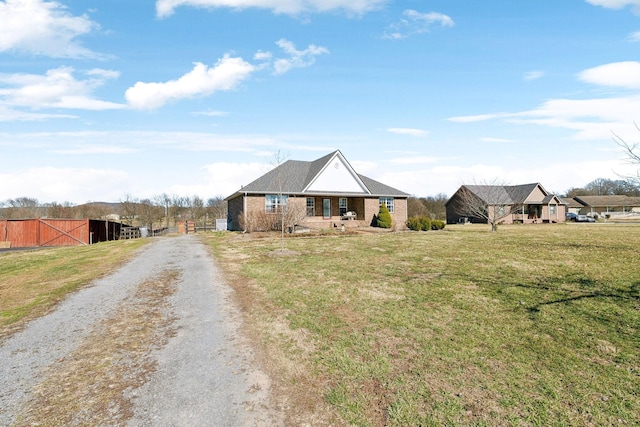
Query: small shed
[[39, 232]]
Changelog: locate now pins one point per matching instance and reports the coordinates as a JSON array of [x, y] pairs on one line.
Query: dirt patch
[[90, 385], [283, 253]]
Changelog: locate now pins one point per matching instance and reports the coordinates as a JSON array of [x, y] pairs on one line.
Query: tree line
[[167, 211], [607, 187]]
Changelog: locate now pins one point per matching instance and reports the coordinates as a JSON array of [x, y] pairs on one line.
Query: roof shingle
[[294, 176]]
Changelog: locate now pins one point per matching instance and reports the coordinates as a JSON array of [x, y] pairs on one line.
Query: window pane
[[343, 205], [311, 206], [274, 203], [388, 201]]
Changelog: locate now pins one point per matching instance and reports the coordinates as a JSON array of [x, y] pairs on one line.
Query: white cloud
[[58, 88], [617, 4], [419, 133], [635, 36], [165, 8], [210, 113], [414, 22], [70, 181], [43, 28], [76, 185], [226, 75], [554, 176], [365, 167], [13, 115], [262, 56], [228, 177], [429, 18], [590, 118], [143, 140], [533, 75], [492, 139], [414, 160], [617, 74], [479, 117], [297, 58], [95, 149]]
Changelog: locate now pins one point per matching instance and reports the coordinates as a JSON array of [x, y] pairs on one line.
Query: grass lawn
[[32, 281], [532, 325]]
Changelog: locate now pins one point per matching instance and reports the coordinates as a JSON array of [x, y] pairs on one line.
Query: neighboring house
[[603, 205], [323, 193], [573, 206], [528, 204]]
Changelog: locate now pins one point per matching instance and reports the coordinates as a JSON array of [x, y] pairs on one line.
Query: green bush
[[419, 223], [437, 224], [384, 217]]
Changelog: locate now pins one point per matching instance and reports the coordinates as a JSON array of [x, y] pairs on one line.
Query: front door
[[326, 208]]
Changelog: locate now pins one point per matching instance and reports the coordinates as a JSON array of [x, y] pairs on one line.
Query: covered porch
[[324, 211], [538, 212]]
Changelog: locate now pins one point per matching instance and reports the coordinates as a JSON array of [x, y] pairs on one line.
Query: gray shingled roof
[[293, 176], [491, 194], [519, 193], [503, 194], [572, 203], [616, 200]]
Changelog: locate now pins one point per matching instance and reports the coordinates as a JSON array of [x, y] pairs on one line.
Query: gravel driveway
[[157, 343]]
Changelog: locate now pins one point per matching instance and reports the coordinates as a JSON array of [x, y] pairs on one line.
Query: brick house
[[323, 193], [602, 205], [526, 204]]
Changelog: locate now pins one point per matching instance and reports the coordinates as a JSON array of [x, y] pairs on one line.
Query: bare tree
[[415, 207], [196, 209], [165, 201], [21, 208], [278, 159], [129, 209], [217, 207], [484, 202], [431, 206], [150, 213], [57, 210], [179, 209], [632, 152], [295, 213]]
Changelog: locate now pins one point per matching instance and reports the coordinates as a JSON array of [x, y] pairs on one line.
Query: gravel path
[[204, 374]]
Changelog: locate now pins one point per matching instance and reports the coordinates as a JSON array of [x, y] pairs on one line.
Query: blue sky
[[100, 100]]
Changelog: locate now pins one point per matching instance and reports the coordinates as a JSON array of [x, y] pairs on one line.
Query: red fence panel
[[63, 232], [20, 233], [24, 233]]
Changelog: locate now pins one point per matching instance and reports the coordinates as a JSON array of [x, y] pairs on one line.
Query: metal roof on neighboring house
[[294, 176], [616, 200]]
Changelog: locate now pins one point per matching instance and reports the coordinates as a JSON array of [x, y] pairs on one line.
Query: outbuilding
[[41, 232]]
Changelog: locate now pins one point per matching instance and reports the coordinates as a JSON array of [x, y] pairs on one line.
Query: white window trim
[[311, 206], [386, 200], [345, 206], [274, 207]]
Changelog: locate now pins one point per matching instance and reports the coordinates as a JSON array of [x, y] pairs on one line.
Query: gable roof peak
[[315, 177]]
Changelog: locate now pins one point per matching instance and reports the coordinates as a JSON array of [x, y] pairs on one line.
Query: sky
[[102, 101]]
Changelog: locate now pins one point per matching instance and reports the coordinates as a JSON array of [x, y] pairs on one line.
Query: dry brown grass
[[32, 282], [528, 326], [284, 351], [91, 385]]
